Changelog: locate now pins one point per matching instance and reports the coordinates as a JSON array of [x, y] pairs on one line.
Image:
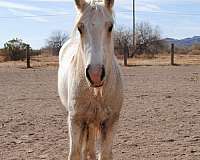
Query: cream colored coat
[[91, 111]]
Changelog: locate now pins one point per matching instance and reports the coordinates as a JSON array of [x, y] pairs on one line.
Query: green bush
[[15, 49]]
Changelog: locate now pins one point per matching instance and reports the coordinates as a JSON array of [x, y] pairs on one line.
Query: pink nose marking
[[96, 76]]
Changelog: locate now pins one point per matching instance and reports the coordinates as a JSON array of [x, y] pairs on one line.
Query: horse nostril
[[95, 74], [88, 74], [103, 73]]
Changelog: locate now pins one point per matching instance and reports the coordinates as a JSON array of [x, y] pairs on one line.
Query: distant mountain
[[186, 42]]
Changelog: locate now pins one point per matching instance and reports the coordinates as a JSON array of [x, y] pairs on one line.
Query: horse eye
[[80, 28], [110, 28]]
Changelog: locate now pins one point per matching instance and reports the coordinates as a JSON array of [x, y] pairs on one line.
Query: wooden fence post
[[172, 54], [28, 56], [125, 54]]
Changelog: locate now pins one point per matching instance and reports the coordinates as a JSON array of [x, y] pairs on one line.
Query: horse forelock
[[88, 13]]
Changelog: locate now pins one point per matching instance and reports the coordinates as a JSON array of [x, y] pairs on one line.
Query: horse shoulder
[[68, 51], [66, 54], [119, 79]]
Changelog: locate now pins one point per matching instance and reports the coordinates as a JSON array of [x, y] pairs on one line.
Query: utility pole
[[134, 43]]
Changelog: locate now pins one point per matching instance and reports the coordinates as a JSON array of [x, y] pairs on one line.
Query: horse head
[[95, 26]]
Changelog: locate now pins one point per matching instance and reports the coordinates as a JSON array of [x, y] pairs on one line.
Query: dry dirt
[[160, 119]]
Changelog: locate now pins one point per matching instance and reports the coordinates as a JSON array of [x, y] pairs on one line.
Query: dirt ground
[[160, 119]]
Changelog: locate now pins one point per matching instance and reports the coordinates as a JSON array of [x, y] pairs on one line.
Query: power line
[[46, 15], [128, 12], [170, 13]]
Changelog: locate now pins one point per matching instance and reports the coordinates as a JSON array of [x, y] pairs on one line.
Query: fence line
[[172, 54]]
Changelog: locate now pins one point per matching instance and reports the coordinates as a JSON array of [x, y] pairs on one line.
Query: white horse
[[89, 82]]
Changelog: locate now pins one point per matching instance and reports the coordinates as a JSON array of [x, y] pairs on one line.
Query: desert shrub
[[2, 55], [123, 41], [148, 40], [35, 52], [195, 52], [182, 50], [15, 49], [196, 47], [55, 42]]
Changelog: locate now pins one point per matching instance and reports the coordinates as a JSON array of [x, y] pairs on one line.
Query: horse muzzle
[[95, 75]]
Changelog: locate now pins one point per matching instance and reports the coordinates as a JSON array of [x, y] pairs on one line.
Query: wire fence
[[43, 58], [156, 59]]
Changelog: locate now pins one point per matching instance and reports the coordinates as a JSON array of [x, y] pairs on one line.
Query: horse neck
[[78, 60]]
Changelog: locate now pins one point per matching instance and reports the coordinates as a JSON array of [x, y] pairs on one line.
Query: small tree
[[15, 49], [55, 42], [148, 39], [123, 38]]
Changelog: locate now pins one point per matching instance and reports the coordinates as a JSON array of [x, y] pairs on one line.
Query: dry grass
[[2, 58], [164, 59], [36, 61]]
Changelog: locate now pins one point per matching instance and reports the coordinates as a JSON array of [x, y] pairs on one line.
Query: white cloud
[[125, 16], [124, 3], [140, 5], [52, 0], [146, 7], [11, 5], [26, 11], [170, 1], [27, 15]]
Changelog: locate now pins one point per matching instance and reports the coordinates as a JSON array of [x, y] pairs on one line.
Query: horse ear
[[109, 4], [80, 4]]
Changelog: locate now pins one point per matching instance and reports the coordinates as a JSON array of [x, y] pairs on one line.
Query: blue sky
[[18, 18], [176, 18]]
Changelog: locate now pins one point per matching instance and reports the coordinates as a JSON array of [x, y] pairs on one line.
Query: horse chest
[[92, 108], [85, 105]]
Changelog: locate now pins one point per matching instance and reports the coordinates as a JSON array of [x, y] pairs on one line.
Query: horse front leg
[[89, 150], [107, 133], [76, 138]]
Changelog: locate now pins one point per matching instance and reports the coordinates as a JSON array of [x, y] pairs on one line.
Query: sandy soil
[[160, 119]]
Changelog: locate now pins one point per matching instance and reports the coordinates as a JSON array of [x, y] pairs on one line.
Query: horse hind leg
[[89, 150]]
